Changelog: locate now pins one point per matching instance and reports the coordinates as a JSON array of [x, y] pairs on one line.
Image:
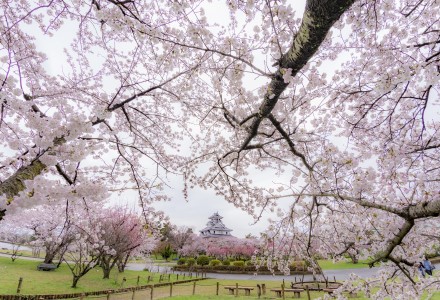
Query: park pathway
[[331, 274]]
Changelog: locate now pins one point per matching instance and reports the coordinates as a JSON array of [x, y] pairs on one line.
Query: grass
[[60, 280], [341, 265], [19, 253]]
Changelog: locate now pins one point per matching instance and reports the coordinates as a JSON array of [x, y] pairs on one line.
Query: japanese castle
[[215, 228]]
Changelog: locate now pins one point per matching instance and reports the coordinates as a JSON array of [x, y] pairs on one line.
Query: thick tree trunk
[[75, 280], [107, 264], [15, 184], [48, 258], [106, 273], [122, 263], [354, 258], [319, 17], [121, 267]]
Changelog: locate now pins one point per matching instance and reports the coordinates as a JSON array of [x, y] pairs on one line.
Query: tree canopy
[[336, 100]]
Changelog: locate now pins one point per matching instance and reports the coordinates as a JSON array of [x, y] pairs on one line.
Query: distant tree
[[166, 250], [181, 236], [52, 229], [15, 236], [166, 230], [144, 250], [194, 248], [221, 248], [50, 225], [84, 253], [245, 248]]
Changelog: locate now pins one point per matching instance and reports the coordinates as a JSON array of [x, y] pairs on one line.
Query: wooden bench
[[296, 292], [46, 267], [247, 289], [328, 290]]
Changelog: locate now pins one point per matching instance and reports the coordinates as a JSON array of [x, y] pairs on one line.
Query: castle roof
[[215, 227]]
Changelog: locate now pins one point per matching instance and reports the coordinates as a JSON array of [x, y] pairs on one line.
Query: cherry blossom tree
[[336, 100], [143, 251], [181, 236], [122, 232], [193, 248], [15, 236], [346, 122], [82, 256], [50, 225], [221, 248], [88, 246], [245, 248]]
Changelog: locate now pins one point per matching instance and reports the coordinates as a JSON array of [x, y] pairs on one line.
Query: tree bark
[[106, 272], [48, 258], [319, 16], [15, 184], [75, 281]]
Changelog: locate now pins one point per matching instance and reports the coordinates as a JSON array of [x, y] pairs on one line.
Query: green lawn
[[329, 265], [20, 252], [60, 280]]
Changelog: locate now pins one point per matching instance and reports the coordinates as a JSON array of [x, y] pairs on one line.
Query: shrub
[[226, 262], [215, 262], [238, 263], [203, 260], [298, 265], [190, 261], [181, 261], [249, 263]]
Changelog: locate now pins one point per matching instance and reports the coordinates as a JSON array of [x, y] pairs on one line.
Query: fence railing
[[148, 289]]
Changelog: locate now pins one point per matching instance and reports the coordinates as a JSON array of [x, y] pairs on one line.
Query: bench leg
[[296, 295], [231, 292], [247, 292]]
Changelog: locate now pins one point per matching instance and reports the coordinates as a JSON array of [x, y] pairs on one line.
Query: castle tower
[[215, 227]]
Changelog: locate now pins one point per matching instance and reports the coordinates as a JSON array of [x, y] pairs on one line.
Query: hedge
[[238, 269], [215, 262], [203, 260], [190, 262]]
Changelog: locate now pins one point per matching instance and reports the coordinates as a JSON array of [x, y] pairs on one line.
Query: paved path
[[331, 274], [4, 245]]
